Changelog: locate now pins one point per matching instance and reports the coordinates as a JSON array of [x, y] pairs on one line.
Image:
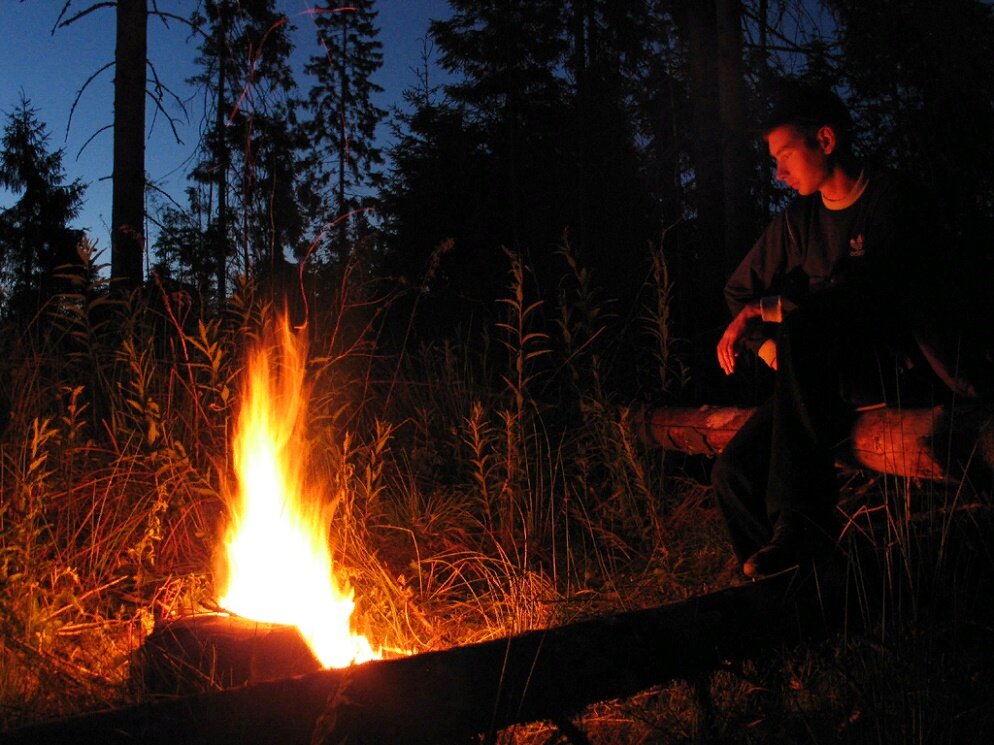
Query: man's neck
[[838, 185], [842, 189]]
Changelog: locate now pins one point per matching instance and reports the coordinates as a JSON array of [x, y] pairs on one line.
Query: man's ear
[[826, 139]]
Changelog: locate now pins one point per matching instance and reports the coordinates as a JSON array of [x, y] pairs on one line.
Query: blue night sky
[[51, 68]]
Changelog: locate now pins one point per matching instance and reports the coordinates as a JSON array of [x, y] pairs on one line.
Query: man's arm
[[728, 345], [767, 309], [749, 298]]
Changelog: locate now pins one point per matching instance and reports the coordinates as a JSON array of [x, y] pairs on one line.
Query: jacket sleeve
[[759, 276]]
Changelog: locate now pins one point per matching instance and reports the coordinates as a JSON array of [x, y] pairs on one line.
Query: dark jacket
[[879, 257]]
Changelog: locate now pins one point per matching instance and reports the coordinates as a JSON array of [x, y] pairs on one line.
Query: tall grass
[[477, 490], [480, 487]]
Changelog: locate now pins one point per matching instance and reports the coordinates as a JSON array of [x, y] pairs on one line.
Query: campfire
[[276, 566]]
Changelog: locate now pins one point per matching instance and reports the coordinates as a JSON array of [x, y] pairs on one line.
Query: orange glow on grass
[[277, 565]]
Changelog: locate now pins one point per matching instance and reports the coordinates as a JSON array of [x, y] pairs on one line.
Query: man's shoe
[[779, 555], [769, 560]]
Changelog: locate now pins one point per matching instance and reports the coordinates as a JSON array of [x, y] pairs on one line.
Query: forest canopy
[[579, 136]]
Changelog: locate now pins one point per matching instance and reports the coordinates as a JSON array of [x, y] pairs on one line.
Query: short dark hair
[[809, 107]]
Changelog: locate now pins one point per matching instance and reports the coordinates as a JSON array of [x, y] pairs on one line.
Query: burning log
[[214, 651], [937, 443]]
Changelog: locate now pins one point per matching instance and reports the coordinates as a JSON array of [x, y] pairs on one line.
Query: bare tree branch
[[92, 137], [82, 14], [157, 93], [165, 17], [792, 49], [61, 15], [159, 90], [788, 45], [79, 95], [152, 186]]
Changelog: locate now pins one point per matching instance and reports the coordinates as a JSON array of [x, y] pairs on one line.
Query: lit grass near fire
[[277, 560], [475, 495]]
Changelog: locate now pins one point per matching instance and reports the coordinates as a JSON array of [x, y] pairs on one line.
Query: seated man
[[827, 297]]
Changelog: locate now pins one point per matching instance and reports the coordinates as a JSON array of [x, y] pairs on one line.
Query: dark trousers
[[780, 466]]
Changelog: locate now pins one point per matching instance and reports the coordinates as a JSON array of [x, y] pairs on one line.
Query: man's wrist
[[771, 309]]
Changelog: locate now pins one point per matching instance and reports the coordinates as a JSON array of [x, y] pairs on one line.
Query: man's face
[[802, 166]]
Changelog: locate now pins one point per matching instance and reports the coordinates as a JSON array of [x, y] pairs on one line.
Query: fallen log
[[451, 695], [938, 443]]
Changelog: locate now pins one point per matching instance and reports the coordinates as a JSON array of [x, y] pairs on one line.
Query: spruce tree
[[343, 117], [538, 129], [250, 158], [35, 237]]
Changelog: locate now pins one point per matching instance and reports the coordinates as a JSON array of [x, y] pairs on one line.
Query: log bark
[[938, 443]]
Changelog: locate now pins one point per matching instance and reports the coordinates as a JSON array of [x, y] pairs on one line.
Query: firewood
[[213, 651]]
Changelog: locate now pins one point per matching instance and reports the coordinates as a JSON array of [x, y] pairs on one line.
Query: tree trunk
[[937, 443], [712, 32], [699, 30], [737, 178], [341, 193], [579, 22], [128, 209], [222, 231]]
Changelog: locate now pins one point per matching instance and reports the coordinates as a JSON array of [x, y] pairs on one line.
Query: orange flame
[[277, 560]]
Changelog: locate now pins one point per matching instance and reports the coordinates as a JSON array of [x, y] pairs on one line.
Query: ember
[[277, 565]]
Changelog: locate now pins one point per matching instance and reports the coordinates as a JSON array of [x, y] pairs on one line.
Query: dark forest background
[[488, 297], [592, 142]]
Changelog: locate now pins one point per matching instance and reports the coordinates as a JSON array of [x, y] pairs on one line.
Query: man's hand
[[728, 345]]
